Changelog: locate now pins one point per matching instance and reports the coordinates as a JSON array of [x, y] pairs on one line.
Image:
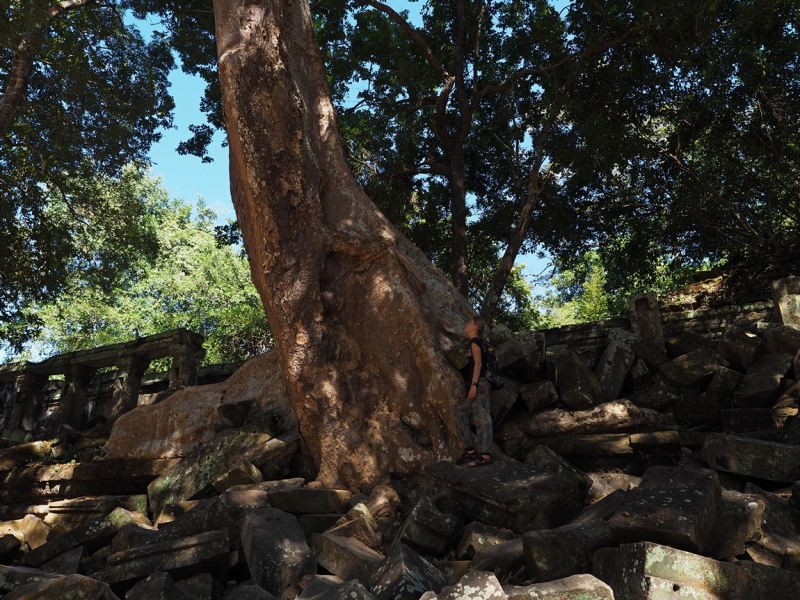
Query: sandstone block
[[510, 352], [681, 344], [786, 298], [63, 588], [506, 559], [694, 369], [746, 419], [760, 386], [476, 537], [602, 509], [30, 529], [575, 587], [604, 484], [639, 375], [248, 592], [405, 575], [739, 347], [427, 529], [276, 549], [92, 534], [672, 506], [538, 395], [722, 385], [346, 558], [578, 386], [362, 528], [311, 523], [348, 590], [546, 459], [752, 458], [9, 547], [502, 400], [738, 522], [646, 326], [67, 563], [120, 516], [517, 496], [614, 365], [782, 339], [695, 408], [158, 586], [246, 473], [564, 551], [202, 586], [779, 528], [476, 585], [13, 577], [310, 500], [658, 396]]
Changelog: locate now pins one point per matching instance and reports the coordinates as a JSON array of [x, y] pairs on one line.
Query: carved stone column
[[186, 361], [125, 389], [73, 398], [28, 401]]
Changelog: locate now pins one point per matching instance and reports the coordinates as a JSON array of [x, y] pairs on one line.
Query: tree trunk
[[360, 316], [458, 212]]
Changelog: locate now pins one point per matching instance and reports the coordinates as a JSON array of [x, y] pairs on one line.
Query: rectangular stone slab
[[346, 558], [752, 458], [672, 506], [517, 496]]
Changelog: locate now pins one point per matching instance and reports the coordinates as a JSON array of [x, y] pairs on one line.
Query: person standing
[[475, 408]]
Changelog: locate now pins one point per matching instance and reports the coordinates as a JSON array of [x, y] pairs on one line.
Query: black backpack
[[491, 370]]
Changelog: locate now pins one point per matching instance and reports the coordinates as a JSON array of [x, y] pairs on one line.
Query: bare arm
[[476, 371]]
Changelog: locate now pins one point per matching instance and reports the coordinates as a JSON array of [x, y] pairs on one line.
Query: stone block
[[158, 586], [685, 342], [671, 506], [405, 575], [786, 298], [9, 547], [722, 385], [346, 558], [246, 473], [614, 365], [603, 509], [746, 419], [604, 484], [648, 571], [739, 347], [62, 588], [476, 585], [276, 549], [738, 523], [459, 355], [506, 559], [348, 590], [204, 552], [658, 396], [502, 400], [310, 500], [120, 516], [578, 387], [268, 486], [92, 534], [538, 395], [752, 458], [781, 340], [557, 553], [510, 352], [575, 587], [780, 529], [311, 524], [29, 529], [694, 369], [364, 529], [760, 386], [209, 461], [517, 496], [639, 375], [78, 510], [201, 587], [546, 459], [67, 563], [13, 577], [476, 537], [694, 408], [427, 529], [248, 592]]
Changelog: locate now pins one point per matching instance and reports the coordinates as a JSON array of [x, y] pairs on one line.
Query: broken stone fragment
[[782, 339], [575, 587], [29, 529], [358, 524], [722, 385], [78, 510], [92, 534], [506, 559], [671, 506], [603, 509], [546, 459], [614, 366], [694, 408], [346, 558], [516, 496], [639, 375], [538, 395], [23, 453], [738, 347], [348, 590], [604, 484], [158, 586], [510, 352], [67, 563], [317, 523], [475, 585], [120, 516], [738, 523], [779, 528], [760, 386], [685, 342], [694, 369], [202, 586], [735, 420], [310, 500], [132, 535], [752, 457], [646, 327], [557, 553], [9, 547], [13, 577], [578, 387], [786, 298], [476, 537], [71, 586], [427, 529], [502, 400], [276, 549], [268, 486], [245, 473], [248, 592], [658, 396], [405, 575]]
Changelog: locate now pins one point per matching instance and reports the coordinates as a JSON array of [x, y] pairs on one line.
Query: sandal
[[483, 459], [468, 455]]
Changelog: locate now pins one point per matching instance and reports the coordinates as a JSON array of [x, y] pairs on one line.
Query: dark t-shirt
[[468, 370]]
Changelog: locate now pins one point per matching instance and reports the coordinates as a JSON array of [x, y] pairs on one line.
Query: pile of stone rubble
[[660, 467]]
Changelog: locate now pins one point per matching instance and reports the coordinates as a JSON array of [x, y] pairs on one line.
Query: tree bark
[[360, 316]]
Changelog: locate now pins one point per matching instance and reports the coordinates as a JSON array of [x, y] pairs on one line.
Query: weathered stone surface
[[70, 587], [575, 587], [639, 375], [610, 417], [685, 342], [427, 529], [746, 419], [760, 386], [752, 458], [202, 586], [694, 369], [671, 506], [578, 387], [215, 458], [207, 551], [516, 496], [78, 510], [786, 298], [546, 459], [602, 509], [557, 553], [248, 592], [510, 352], [13, 577], [780, 528], [781, 339], [67, 563], [346, 558], [405, 575], [348, 590], [29, 529], [361, 527], [174, 427], [604, 484], [738, 522], [9, 546], [10, 457], [92, 534], [475, 585], [158, 586], [647, 571], [319, 523], [502, 400], [646, 326], [276, 549], [268, 486], [614, 365], [383, 504], [694, 408], [310, 500], [538, 395], [722, 385], [476, 537], [120, 516], [658, 396], [739, 347], [245, 473], [506, 559]]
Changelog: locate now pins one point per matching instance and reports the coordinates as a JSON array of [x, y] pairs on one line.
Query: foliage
[[189, 281], [96, 97]]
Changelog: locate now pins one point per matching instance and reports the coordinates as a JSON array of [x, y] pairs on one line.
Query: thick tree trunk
[[458, 212], [359, 315]]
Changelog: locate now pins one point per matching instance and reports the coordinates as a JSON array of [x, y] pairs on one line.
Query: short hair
[[479, 323]]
